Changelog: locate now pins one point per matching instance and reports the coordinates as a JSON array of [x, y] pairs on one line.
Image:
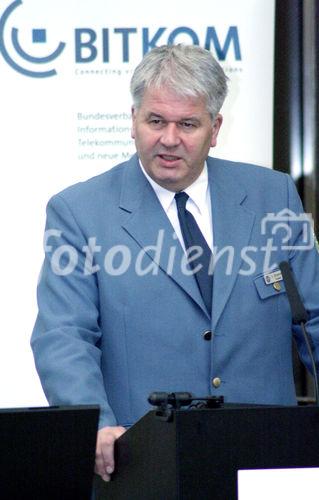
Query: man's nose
[[170, 135]]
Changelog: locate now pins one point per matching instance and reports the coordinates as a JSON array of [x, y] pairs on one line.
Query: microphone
[[176, 399], [299, 316], [298, 311]]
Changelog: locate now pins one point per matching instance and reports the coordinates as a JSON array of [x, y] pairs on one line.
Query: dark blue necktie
[[193, 238]]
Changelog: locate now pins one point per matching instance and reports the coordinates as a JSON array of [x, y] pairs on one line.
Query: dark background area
[[296, 114]]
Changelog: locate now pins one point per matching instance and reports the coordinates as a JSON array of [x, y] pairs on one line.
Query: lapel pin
[[277, 286]]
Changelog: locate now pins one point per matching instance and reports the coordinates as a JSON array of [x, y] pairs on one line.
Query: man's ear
[[133, 111], [216, 128]]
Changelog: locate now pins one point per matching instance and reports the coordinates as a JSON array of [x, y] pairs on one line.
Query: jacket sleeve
[[65, 339], [304, 262]]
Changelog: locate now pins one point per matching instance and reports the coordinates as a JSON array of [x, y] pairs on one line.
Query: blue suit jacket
[[106, 335]]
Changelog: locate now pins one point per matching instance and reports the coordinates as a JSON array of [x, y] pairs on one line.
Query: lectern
[[47, 453], [196, 453]]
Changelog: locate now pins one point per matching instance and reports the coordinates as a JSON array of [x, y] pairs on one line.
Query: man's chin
[[171, 182]]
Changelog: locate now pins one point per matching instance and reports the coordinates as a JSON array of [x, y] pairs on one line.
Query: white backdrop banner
[[65, 116]]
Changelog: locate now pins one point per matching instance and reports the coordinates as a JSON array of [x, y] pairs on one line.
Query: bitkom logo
[[105, 46], [39, 36]]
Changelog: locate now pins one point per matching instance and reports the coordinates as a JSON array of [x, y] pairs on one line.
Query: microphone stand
[[308, 343], [299, 317]]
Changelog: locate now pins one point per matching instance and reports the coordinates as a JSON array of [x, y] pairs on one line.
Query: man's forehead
[[163, 100], [168, 93]]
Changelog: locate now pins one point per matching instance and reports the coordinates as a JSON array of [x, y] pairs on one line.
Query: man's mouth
[[169, 158]]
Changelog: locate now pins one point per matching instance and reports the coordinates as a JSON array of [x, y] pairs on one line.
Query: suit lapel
[[144, 219], [232, 226]]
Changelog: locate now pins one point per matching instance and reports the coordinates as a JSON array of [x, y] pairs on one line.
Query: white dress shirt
[[198, 203]]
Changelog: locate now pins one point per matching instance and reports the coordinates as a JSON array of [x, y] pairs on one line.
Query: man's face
[[173, 136]]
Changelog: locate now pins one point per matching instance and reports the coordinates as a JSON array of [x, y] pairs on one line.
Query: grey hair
[[187, 70]]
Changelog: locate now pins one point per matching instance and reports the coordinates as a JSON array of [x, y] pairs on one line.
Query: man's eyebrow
[[190, 119], [152, 114], [155, 115]]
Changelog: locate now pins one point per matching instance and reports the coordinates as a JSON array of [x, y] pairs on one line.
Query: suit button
[[216, 382], [207, 335]]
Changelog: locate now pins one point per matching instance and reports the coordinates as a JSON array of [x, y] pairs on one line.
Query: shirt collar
[[196, 191]]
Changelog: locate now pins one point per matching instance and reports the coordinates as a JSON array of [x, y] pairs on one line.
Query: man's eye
[[155, 121], [187, 125]]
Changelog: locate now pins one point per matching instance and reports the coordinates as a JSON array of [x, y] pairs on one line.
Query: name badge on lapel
[[273, 277]]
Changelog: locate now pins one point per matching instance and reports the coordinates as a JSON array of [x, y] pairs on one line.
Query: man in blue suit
[[122, 311]]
